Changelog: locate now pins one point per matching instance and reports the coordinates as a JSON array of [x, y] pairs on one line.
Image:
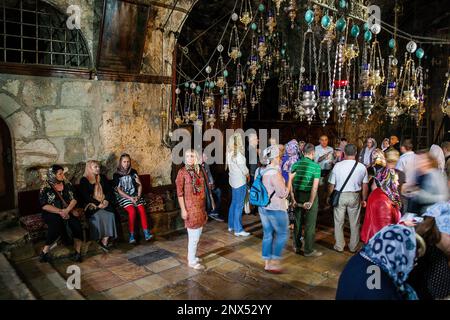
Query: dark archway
[[6, 168]]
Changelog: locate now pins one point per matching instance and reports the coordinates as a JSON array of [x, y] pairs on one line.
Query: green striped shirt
[[306, 170]]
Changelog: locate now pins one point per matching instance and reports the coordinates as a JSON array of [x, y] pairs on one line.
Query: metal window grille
[[34, 32]]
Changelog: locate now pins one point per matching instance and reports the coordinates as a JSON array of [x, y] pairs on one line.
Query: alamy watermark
[[74, 19], [214, 151], [374, 280], [74, 280], [374, 13]]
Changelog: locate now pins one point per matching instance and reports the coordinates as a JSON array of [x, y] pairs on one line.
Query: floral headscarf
[[393, 249], [388, 182], [441, 214], [51, 174], [292, 152]]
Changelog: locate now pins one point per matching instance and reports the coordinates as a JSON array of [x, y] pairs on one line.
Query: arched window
[[35, 32]]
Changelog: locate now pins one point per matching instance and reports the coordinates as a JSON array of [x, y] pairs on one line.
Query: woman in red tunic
[[191, 194], [383, 204]]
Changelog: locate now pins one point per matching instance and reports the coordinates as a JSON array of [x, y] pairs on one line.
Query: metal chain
[[316, 64]]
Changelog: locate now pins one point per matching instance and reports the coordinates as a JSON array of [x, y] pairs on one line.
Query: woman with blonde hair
[[97, 197], [238, 177], [191, 186]]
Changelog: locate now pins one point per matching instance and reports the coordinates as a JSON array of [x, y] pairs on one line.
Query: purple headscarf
[[291, 155]]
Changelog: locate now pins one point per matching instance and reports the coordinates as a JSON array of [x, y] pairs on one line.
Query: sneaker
[[197, 266], [44, 257], [315, 253], [230, 230], [215, 216], [132, 240], [242, 234], [147, 235], [338, 250]]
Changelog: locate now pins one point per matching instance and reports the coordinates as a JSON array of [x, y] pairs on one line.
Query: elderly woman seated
[[97, 196], [58, 202]]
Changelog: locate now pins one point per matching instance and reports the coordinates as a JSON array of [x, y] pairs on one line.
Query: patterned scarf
[[292, 152], [51, 177], [393, 249], [122, 171], [194, 171], [441, 214], [388, 182]]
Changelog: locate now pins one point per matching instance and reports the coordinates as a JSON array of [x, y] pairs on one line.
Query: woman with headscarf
[[366, 153], [380, 270], [191, 185], [291, 156], [57, 201], [97, 198], [274, 217], [378, 163], [129, 195], [438, 154], [431, 277], [238, 176], [385, 144], [383, 204]]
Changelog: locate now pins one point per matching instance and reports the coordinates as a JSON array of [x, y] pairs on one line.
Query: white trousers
[[193, 239]]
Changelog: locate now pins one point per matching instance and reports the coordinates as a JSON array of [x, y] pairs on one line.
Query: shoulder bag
[[336, 194]]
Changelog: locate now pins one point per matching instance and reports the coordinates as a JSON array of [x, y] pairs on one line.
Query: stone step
[[44, 281], [8, 219], [12, 238], [11, 286]]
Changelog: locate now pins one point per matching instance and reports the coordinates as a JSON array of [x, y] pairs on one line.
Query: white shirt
[[341, 171], [326, 164], [237, 170], [407, 164]]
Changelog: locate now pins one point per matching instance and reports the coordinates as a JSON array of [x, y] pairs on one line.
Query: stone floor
[[234, 270]]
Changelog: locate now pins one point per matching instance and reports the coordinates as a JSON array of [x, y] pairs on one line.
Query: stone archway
[[7, 194]]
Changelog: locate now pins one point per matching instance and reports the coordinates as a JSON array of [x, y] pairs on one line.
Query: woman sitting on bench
[[129, 192], [57, 201], [97, 198]]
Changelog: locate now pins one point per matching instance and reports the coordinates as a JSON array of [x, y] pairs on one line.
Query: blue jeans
[[236, 207], [275, 225]]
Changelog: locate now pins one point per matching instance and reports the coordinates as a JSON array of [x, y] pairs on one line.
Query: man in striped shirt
[[303, 185]]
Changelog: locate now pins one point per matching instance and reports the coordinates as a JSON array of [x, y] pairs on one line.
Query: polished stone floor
[[158, 270]]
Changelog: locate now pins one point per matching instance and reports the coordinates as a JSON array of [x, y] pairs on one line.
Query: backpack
[[258, 193]]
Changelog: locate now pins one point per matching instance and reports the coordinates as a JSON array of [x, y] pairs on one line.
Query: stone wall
[[66, 121], [70, 121]]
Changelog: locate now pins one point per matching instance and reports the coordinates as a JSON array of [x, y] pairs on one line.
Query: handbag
[[76, 212], [209, 199], [336, 194]]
